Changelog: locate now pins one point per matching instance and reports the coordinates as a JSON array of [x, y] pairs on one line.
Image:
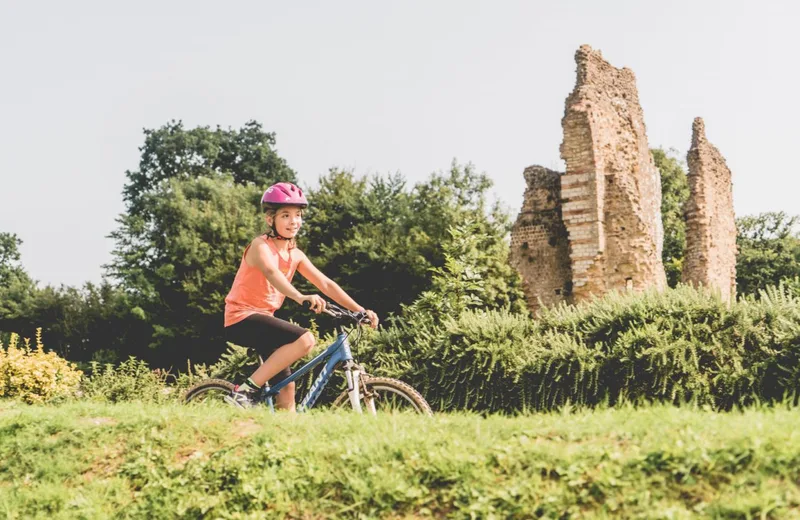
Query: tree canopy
[[190, 208], [674, 194], [380, 240], [193, 205], [10, 265], [769, 250], [247, 155]]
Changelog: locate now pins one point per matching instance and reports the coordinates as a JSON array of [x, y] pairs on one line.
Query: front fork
[[356, 387]]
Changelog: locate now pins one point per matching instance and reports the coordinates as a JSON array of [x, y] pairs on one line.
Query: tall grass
[[137, 460]]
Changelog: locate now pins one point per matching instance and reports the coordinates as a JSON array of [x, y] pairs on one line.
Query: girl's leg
[[265, 333], [285, 400], [282, 358]]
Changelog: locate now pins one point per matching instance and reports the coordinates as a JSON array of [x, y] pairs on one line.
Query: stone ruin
[[539, 245], [710, 258], [597, 227]]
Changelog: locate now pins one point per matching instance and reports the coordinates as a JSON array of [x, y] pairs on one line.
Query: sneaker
[[241, 397]]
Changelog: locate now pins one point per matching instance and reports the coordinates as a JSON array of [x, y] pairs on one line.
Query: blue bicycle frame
[[337, 352]]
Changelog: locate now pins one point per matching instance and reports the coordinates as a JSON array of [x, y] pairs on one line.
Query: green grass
[[89, 460]]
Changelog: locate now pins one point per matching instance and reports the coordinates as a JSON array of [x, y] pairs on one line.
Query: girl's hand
[[316, 303], [373, 318]]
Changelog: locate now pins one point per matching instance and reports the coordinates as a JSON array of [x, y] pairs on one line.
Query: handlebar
[[331, 309]]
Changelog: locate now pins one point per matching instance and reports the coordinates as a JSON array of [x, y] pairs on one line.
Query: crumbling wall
[[611, 191], [539, 248], [710, 258]]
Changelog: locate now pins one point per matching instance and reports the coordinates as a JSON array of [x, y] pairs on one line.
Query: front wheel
[[386, 395]]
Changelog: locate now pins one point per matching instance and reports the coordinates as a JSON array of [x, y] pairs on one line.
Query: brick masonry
[[611, 191], [607, 203], [539, 247], [710, 258]]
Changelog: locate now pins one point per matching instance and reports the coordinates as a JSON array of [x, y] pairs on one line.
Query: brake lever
[[337, 312], [362, 318]]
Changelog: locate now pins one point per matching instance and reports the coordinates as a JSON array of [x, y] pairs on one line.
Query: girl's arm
[[326, 286], [260, 257], [331, 289]]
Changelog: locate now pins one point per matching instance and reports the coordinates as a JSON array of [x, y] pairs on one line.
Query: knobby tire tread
[[206, 384], [402, 387]]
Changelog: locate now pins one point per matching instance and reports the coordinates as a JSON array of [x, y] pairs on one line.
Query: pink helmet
[[283, 194]]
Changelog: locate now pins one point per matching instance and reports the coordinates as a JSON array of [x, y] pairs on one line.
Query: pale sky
[[375, 86]]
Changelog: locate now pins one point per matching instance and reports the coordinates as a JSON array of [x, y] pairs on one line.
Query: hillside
[[89, 460]]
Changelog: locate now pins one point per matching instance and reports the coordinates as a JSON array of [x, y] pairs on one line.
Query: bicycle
[[363, 390]]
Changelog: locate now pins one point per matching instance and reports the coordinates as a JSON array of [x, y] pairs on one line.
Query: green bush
[[131, 380], [33, 375], [134, 380], [680, 345]]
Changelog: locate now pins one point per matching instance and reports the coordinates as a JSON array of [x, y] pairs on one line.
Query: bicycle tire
[[205, 386], [389, 385]]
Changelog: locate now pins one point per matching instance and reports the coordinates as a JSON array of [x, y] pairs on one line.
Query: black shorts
[[264, 334]]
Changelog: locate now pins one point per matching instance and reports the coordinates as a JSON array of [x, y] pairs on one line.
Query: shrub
[[33, 375], [237, 363], [131, 380], [681, 345]]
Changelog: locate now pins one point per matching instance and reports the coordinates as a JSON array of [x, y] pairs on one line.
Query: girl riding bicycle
[[261, 284]]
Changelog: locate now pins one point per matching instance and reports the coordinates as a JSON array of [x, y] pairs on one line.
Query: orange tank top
[[252, 293]]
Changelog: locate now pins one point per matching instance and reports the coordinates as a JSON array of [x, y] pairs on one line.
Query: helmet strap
[[277, 235]]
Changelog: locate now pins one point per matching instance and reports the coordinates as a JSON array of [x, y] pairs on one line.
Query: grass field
[[89, 460]]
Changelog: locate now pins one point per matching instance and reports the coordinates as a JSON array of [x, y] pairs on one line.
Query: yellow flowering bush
[[33, 375]]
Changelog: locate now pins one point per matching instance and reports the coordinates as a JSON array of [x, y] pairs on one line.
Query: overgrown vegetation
[[192, 206], [33, 375], [89, 460], [681, 345], [131, 380], [769, 251], [678, 346]]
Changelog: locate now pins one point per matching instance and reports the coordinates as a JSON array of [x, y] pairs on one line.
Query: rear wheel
[[209, 391], [383, 395]]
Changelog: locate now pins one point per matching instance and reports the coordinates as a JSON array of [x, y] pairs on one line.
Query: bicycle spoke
[[387, 400], [387, 396], [211, 391]]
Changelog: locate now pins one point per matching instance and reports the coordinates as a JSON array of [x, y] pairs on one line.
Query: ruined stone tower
[[539, 247], [597, 227], [611, 191], [710, 258]]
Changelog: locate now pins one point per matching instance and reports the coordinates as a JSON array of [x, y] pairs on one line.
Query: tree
[[460, 284], [358, 232], [171, 151], [191, 208], [244, 157], [10, 267], [193, 205], [199, 229], [380, 240], [94, 322], [674, 194], [769, 250], [16, 287]]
